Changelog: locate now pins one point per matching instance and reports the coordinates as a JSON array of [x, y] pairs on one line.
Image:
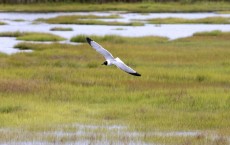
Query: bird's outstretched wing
[[107, 55], [121, 65]]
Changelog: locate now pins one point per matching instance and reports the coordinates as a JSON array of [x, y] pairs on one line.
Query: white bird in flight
[[110, 60]]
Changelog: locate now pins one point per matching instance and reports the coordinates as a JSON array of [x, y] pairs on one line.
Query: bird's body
[[110, 60]]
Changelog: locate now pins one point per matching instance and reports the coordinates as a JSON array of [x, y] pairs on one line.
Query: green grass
[[61, 29], [87, 20], [131, 7], [12, 34], [184, 87], [2, 23], [32, 36], [74, 18], [224, 12], [19, 20], [209, 20], [108, 38], [212, 33], [119, 29]]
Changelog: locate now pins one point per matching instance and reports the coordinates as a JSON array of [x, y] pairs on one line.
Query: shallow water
[[7, 44], [83, 134], [79, 134], [172, 31]]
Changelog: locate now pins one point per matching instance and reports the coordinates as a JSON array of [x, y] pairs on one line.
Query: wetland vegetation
[[61, 29], [184, 86], [208, 20], [59, 93], [88, 20], [2, 23], [143, 7], [32, 36]]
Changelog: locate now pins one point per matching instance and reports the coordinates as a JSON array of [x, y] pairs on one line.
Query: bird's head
[[105, 63]]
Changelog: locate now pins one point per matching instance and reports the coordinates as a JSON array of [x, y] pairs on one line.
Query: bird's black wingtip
[[88, 40], [135, 74]]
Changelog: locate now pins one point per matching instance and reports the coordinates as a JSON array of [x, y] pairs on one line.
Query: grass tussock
[[184, 86], [32, 36], [2, 23], [61, 29], [19, 20], [208, 20], [12, 34], [40, 46]]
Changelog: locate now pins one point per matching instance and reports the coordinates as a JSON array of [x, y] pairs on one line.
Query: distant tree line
[[99, 1]]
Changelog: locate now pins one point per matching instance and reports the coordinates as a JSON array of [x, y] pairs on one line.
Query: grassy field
[[131, 7], [185, 86]]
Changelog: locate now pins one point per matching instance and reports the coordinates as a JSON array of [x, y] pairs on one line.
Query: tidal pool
[[25, 22]]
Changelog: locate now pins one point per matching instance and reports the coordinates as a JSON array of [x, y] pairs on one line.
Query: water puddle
[[25, 22], [79, 134]]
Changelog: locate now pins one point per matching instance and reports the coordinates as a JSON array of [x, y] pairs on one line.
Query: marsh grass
[[184, 86], [87, 20], [32, 36], [99, 22], [108, 38], [213, 33], [12, 34], [19, 20], [224, 12], [208, 20], [10, 109], [61, 29], [2, 23], [119, 29], [143, 7], [71, 19], [40, 37]]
